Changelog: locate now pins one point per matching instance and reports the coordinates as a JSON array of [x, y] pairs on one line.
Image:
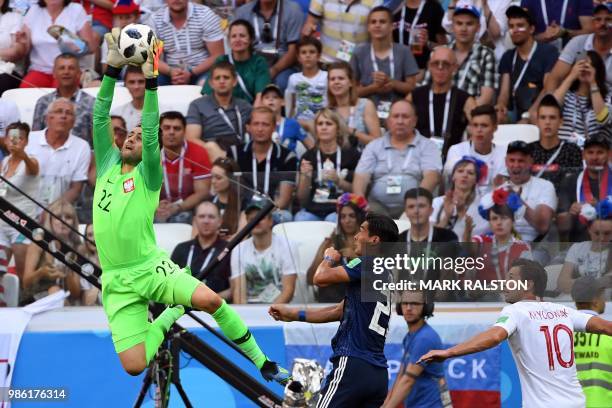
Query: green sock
[[158, 329], [234, 328]]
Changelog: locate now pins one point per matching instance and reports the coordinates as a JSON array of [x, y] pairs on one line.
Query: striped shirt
[[480, 65], [187, 45], [579, 117], [342, 20]]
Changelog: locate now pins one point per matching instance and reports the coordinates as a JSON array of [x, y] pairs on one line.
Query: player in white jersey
[[541, 337]]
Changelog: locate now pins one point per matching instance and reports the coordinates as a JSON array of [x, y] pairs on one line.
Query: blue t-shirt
[[575, 8], [290, 132], [425, 392], [364, 325]]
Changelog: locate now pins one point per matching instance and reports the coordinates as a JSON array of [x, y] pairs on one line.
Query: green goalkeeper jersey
[[124, 204]]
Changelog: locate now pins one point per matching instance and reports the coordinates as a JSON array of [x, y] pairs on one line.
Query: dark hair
[[225, 65], [65, 55], [43, 3], [195, 210], [415, 193], [231, 213], [132, 69], [485, 110], [532, 271], [123, 122], [382, 226], [250, 30], [502, 210], [382, 9], [360, 215], [550, 101], [310, 41], [18, 125], [600, 76], [172, 115], [5, 7]]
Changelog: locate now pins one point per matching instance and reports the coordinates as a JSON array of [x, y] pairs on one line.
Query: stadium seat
[[403, 224], [177, 97], [120, 97], [25, 99], [552, 274], [505, 134], [307, 236], [170, 234], [10, 283]]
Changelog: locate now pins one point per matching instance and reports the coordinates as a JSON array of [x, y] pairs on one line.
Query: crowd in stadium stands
[[328, 108]]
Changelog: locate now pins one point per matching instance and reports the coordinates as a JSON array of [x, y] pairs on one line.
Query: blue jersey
[[290, 133], [364, 325], [425, 392]]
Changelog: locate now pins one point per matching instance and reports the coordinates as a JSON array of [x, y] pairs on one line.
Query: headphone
[[428, 307]]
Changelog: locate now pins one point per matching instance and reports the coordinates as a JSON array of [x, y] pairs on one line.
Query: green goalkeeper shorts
[[126, 294]]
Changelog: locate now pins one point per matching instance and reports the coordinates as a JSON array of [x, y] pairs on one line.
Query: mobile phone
[[14, 135], [582, 55]]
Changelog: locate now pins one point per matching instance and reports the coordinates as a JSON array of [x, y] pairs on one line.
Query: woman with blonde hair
[[43, 274], [326, 171]]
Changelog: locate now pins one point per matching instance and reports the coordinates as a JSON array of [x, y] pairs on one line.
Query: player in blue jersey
[[359, 376]]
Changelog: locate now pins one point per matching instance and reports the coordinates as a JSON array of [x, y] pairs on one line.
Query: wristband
[[328, 259], [451, 7], [190, 71], [151, 83], [113, 72], [302, 315], [594, 89]]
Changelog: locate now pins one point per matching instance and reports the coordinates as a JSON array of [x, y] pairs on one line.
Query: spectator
[[492, 21], [537, 195], [483, 124], [319, 187], [42, 47], [384, 71], [264, 267], [557, 22], [21, 170], [590, 186], [63, 158], [275, 38], [9, 112], [196, 254], [553, 158], [66, 74], [43, 274], [359, 114], [225, 194], [218, 121], [192, 38], [119, 130], [101, 14], [251, 68], [308, 89], [288, 130], [124, 12], [451, 105], [585, 99], [589, 258], [499, 249], [351, 211], [457, 209], [524, 69], [131, 111], [599, 41], [397, 162], [262, 155], [418, 24], [476, 74], [343, 27], [186, 171], [12, 46], [89, 293]]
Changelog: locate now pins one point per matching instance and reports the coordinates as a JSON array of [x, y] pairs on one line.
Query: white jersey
[[542, 342]]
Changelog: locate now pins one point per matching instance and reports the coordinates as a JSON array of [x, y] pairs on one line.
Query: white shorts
[[10, 236]]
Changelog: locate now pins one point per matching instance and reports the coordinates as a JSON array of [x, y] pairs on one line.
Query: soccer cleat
[[273, 372]]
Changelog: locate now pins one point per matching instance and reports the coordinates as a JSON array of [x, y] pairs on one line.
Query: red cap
[[126, 7]]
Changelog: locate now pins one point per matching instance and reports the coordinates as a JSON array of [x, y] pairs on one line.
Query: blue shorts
[[354, 382]]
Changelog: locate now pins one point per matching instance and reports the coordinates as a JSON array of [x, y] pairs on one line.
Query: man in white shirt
[[538, 195], [63, 158], [264, 267], [483, 124], [131, 111], [540, 335]]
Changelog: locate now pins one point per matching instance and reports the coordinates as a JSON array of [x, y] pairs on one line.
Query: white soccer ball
[[134, 42]]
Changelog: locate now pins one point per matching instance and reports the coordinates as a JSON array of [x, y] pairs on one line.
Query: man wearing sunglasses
[[417, 385]]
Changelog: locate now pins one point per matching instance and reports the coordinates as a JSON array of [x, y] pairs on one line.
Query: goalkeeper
[[135, 270]]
